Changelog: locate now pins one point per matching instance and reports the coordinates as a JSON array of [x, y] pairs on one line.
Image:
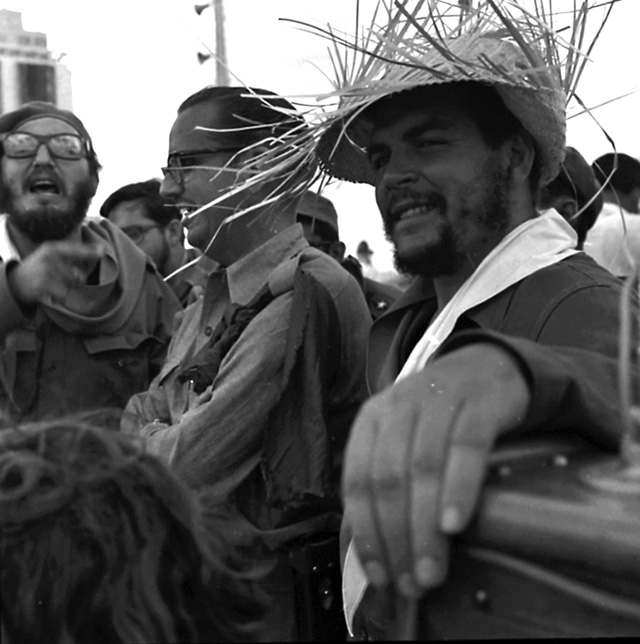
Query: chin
[[430, 261]]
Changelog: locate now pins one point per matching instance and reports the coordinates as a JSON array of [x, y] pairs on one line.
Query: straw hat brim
[[532, 95]]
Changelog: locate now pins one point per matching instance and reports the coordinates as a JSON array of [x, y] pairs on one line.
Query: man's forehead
[[131, 210], [407, 121], [186, 133], [432, 103], [47, 125]]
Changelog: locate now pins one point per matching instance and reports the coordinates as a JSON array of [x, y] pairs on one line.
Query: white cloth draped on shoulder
[[532, 246]]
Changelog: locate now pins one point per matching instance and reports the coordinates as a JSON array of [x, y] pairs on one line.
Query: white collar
[[7, 249], [535, 244]]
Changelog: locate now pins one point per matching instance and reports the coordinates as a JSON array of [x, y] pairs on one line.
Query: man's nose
[[42, 155], [399, 170], [169, 187]]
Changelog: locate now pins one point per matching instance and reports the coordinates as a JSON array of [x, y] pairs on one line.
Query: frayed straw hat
[[536, 100], [533, 64]]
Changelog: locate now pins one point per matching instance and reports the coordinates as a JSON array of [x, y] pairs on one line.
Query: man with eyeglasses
[[153, 224], [84, 316], [266, 372]]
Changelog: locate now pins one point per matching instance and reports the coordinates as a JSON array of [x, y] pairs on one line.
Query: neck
[[235, 241], [446, 286], [175, 260]]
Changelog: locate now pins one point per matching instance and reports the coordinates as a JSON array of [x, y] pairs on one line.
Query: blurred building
[[28, 70]]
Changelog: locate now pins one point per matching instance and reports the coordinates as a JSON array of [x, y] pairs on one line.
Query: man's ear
[[251, 161], [567, 207], [95, 180], [337, 251], [522, 157], [174, 233]]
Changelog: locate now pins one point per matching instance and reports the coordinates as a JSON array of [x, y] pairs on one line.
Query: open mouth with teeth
[[44, 186], [409, 210]]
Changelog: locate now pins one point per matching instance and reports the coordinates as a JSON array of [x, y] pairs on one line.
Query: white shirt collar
[[7, 249]]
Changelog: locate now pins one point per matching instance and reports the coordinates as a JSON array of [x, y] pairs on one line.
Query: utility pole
[[222, 73]]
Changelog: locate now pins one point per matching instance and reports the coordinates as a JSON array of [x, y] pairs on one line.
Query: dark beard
[[48, 223], [445, 257], [442, 258]]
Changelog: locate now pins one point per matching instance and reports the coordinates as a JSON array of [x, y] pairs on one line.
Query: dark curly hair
[[101, 543]]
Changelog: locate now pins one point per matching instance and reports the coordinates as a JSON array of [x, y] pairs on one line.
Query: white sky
[[132, 63]]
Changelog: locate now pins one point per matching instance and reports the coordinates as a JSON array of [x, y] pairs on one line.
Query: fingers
[[391, 504], [464, 472], [430, 547], [356, 489], [75, 252], [417, 459]]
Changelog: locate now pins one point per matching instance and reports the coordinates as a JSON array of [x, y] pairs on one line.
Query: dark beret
[[38, 109]]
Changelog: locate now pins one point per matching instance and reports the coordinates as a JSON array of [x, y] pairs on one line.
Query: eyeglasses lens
[[22, 145], [178, 162]]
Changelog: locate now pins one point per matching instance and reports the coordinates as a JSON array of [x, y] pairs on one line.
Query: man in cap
[[614, 241], [575, 193], [319, 220], [85, 318], [266, 372], [154, 225], [506, 331]]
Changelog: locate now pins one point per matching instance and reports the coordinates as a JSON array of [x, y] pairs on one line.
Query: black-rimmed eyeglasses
[[178, 162], [24, 145]]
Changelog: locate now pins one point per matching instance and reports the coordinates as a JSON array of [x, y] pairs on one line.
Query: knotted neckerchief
[[203, 367]]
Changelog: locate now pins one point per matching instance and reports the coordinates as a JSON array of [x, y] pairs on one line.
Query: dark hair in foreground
[[101, 543], [157, 209]]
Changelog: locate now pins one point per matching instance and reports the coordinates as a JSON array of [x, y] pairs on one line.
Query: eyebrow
[[428, 124]]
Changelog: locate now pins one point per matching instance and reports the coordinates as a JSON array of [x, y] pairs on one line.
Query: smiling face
[[443, 192], [45, 197]]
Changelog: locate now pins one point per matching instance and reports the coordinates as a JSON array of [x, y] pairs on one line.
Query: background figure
[[365, 257], [319, 220], [614, 240], [266, 372], [84, 316], [574, 190], [154, 225], [101, 543]]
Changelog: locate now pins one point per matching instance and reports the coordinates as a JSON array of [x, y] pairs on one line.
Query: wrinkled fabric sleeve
[[571, 368], [11, 314], [218, 442], [168, 310]]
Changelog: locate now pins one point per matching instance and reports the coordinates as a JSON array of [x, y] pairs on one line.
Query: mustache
[[400, 202]]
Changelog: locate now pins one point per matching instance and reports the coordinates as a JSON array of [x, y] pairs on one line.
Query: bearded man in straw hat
[[507, 329]]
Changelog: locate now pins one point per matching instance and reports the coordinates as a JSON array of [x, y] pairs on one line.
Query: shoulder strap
[[203, 367]]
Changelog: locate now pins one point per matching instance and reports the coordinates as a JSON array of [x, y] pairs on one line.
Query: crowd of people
[[216, 425]]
